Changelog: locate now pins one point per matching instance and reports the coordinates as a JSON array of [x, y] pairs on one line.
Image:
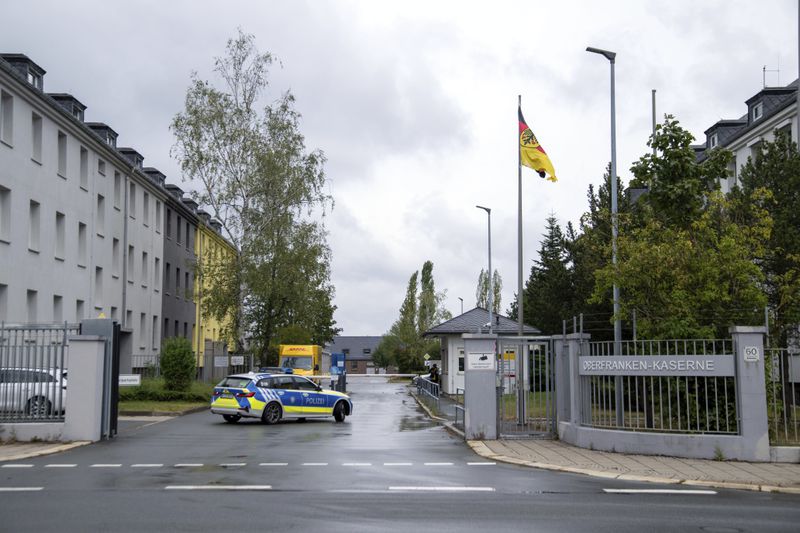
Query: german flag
[[531, 153]]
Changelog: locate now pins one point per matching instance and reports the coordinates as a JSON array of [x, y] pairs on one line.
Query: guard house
[[452, 345]]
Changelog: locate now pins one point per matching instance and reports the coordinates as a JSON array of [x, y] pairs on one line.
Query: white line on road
[[101, 465], [481, 464], [658, 491], [445, 489], [17, 465], [61, 465], [218, 487], [315, 464], [398, 464], [356, 464], [438, 464], [20, 489], [273, 464], [147, 465], [188, 465], [227, 465]]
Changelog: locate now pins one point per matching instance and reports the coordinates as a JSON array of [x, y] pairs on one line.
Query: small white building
[[452, 345]]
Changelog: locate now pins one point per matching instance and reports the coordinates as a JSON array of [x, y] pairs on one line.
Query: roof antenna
[[764, 76]]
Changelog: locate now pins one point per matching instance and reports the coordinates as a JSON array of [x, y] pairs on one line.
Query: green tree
[[177, 363], [770, 182], [482, 291], [267, 189]]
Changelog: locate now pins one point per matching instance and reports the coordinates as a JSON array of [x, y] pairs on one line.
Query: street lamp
[[611, 56], [491, 290]]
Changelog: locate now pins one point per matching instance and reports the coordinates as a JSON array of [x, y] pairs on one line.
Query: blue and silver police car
[[273, 397]]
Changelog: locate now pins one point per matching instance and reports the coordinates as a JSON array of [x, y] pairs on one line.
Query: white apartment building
[[772, 108], [80, 222]]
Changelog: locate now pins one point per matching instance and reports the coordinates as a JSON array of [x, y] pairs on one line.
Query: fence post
[[748, 344]]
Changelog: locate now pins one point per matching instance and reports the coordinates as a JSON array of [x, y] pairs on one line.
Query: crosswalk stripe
[[660, 491], [20, 489], [218, 487], [444, 489]]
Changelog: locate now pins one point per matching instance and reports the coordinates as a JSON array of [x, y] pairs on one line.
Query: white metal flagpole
[[520, 298]]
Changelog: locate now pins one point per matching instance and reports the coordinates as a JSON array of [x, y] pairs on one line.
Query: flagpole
[[520, 298]]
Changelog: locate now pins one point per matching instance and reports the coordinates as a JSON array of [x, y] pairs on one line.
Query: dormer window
[[35, 79], [77, 112], [713, 140], [758, 111], [111, 140]]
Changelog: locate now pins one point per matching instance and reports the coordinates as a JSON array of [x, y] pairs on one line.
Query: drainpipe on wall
[[124, 310]]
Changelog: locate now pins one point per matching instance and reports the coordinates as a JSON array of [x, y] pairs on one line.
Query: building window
[[177, 282], [189, 286], [5, 214], [758, 111], [157, 274], [187, 234], [155, 332], [78, 310], [142, 330], [713, 140], [177, 229], [346, 351], [367, 351], [158, 216], [61, 235], [36, 137], [169, 224], [62, 154], [167, 274], [84, 169], [101, 215], [101, 167], [35, 79], [3, 302], [117, 190], [114, 313], [132, 201], [58, 308], [128, 318], [82, 244], [130, 263], [98, 287], [146, 208], [31, 301], [461, 359], [144, 269], [6, 118], [177, 331], [115, 258], [166, 327], [33, 226], [185, 330], [353, 365]]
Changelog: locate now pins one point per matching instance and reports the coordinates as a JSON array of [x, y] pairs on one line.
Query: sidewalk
[[561, 457]]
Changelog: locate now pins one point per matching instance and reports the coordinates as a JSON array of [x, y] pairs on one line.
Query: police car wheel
[[231, 419], [338, 412], [271, 414]]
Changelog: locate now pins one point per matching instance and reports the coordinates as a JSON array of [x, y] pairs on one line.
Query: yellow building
[[210, 247]]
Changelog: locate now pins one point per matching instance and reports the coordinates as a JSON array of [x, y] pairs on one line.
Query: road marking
[[101, 465], [17, 465], [398, 464], [218, 487], [356, 464], [445, 489], [481, 464], [147, 465], [438, 464], [61, 465], [659, 491], [20, 489], [227, 465], [315, 464], [273, 464], [188, 465]]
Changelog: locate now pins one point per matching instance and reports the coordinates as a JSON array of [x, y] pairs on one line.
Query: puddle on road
[[408, 423]]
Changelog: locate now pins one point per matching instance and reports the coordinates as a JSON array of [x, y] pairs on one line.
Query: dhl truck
[[304, 359]]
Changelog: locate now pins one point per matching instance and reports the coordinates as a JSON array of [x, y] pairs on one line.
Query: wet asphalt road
[[387, 468]]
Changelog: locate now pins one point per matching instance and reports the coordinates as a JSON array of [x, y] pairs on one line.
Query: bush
[[177, 364], [152, 390]]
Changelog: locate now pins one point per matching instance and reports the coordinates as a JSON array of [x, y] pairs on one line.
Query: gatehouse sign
[[688, 365]]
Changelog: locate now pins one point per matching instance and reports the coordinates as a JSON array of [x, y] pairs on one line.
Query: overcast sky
[[414, 104]]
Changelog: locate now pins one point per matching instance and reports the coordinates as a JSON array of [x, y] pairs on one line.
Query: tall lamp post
[[611, 56], [491, 289]]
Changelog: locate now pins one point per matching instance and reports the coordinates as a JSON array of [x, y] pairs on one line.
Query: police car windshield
[[238, 383], [302, 363]]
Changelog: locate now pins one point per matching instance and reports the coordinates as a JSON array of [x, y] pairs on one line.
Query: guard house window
[[6, 118], [62, 154], [758, 111], [461, 360]]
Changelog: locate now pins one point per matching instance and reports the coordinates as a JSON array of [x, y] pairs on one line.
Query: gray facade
[[180, 230], [358, 351]]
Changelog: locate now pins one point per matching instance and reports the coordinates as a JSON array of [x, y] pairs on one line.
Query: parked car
[[273, 397], [36, 392]]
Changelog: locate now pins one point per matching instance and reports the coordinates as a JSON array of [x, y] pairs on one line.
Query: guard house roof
[[475, 320]]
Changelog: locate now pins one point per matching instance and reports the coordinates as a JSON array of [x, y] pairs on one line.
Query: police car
[[273, 397]]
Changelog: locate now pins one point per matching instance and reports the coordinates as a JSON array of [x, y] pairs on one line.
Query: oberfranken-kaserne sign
[[657, 365]]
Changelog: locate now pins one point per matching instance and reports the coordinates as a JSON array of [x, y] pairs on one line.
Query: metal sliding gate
[[526, 396]]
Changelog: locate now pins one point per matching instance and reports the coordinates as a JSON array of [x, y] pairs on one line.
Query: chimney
[[26, 69], [71, 104], [216, 224], [135, 158], [174, 190], [191, 204], [155, 175], [203, 216], [104, 131]]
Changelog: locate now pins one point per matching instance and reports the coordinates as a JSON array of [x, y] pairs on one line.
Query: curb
[[481, 449], [46, 451], [163, 413], [449, 426]]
